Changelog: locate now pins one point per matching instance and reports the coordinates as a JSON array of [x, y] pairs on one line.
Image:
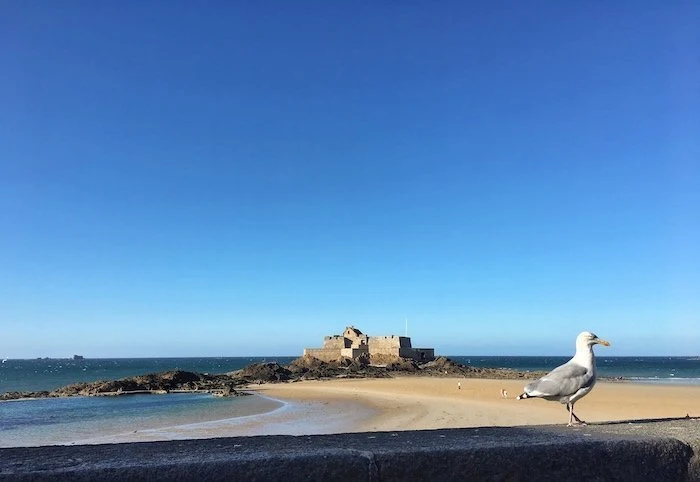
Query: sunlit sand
[[417, 403]]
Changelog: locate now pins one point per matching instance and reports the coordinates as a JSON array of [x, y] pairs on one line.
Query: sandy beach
[[413, 403], [416, 403]]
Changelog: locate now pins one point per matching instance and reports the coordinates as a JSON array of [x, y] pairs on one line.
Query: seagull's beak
[[602, 342]]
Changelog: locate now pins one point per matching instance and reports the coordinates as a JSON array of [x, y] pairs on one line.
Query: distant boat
[[4, 360], [78, 357]]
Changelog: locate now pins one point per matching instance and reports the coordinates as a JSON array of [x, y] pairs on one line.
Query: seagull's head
[[589, 339]]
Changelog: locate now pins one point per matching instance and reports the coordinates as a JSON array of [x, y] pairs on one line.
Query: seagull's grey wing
[[564, 380]]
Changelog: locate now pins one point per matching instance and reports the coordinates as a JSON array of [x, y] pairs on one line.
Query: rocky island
[[306, 367]]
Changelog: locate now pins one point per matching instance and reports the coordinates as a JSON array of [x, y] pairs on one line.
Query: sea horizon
[[437, 355]]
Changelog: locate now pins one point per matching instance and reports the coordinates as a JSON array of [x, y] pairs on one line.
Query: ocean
[[55, 421], [49, 374], [674, 370]]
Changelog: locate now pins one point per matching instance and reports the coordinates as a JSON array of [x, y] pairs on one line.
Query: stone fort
[[355, 344]]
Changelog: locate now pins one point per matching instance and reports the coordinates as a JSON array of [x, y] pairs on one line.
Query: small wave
[[666, 380]]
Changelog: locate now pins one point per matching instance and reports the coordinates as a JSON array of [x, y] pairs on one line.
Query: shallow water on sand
[[64, 420]]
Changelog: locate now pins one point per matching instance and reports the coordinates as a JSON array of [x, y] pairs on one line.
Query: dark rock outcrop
[[303, 368], [443, 366], [262, 372], [310, 368], [306, 363], [403, 365], [23, 395], [177, 380]]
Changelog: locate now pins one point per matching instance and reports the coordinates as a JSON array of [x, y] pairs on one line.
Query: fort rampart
[[354, 344]]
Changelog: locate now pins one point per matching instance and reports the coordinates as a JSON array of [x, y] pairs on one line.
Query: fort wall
[[335, 342], [354, 352], [353, 344], [419, 354], [325, 354]]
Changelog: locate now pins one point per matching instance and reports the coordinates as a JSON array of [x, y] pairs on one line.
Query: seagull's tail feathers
[[522, 396]]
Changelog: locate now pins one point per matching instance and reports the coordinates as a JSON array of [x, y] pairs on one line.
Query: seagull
[[572, 380]]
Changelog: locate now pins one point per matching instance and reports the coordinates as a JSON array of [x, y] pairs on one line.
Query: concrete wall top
[[637, 450]]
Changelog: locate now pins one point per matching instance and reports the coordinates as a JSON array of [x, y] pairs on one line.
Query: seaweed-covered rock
[[310, 368], [263, 372], [20, 395], [155, 383], [170, 379], [402, 365], [306, 363], [303, 368], [443, 365]]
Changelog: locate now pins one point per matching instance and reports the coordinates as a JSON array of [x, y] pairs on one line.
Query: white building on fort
[[354, 344]]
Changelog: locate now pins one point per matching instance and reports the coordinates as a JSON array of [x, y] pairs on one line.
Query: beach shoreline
[[421, 403], [415, 403], [293, 416]]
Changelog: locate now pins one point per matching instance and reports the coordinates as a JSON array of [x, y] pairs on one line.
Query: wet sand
[[416, 403]]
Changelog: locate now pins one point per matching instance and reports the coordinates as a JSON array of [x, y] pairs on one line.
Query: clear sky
[[243, 178]]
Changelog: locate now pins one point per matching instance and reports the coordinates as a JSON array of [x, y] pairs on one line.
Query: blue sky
[[239, 179]]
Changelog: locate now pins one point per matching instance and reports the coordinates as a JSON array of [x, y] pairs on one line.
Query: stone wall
[[384, 345], [394, 341], [390, 346], [334, 342], [354, 338], [353, 343], [324, 354], [422, 354], [354, 352], [648, 450]]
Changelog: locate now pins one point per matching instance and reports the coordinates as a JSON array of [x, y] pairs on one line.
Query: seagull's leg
[[578, 420], [572, 416]]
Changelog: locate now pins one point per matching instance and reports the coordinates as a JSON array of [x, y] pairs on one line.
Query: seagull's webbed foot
[[578, 420]]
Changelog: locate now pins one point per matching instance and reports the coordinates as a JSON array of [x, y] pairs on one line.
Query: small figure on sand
[[504, 393], [459, 385]]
